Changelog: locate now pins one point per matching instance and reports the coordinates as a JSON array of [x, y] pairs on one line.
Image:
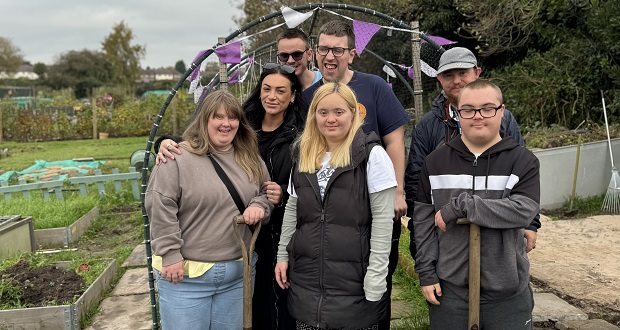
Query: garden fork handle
[[247, 267], [474, 274]]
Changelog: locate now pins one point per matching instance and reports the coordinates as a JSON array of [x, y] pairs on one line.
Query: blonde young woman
[[337, 227], [196, 255]]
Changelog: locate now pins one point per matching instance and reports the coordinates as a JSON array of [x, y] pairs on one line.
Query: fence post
[[223, 71], [417, 74]]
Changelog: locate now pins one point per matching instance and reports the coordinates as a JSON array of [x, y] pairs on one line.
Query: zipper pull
[[322, 217], [475, 161]]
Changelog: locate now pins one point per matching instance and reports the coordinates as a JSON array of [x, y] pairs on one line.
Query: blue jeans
[[211, 301]]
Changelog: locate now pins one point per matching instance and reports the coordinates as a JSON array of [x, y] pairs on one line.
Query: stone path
[[128, 306]]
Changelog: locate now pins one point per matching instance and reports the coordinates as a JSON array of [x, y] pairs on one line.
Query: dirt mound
[[577, 259], [45, 285]]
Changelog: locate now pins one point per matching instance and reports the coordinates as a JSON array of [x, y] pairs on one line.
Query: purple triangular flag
[[363, 31], [196, 70], [410, 72], [234, 77], [229, 53], [441, 41]]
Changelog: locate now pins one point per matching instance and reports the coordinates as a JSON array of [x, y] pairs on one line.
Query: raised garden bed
[[63, 236], [66, 316]]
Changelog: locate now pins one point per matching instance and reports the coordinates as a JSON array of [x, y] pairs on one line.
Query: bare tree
[[10, 56]]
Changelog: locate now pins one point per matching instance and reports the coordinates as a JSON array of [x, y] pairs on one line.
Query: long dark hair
[[253, 107]]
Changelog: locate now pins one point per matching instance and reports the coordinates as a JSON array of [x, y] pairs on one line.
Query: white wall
[[557, 168]]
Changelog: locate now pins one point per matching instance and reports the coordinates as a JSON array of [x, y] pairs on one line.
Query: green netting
[[62, 168]]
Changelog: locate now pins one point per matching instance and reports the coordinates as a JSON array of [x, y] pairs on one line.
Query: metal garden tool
[[611, 203], [247, 252], [473, 319]]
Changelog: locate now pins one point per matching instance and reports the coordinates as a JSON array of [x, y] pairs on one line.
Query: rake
[[611, 203]]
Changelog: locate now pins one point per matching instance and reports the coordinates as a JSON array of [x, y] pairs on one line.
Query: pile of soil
[[45, 285], [577, 260]]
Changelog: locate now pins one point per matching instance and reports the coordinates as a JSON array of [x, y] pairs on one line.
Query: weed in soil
[[47, 285]]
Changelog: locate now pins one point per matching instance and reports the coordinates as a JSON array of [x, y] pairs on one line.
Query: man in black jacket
[[495, 184], [457, 67]]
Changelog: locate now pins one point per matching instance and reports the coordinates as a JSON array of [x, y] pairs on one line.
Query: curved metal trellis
[[196, 63]]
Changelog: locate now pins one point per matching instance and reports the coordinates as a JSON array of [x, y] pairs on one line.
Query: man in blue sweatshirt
[[494, 183]]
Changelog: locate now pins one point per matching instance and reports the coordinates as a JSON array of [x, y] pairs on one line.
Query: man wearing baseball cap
[[457, 68]]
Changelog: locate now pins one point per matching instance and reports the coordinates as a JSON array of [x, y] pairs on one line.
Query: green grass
[[115, 152], [410, 293], [112, 236], [581, 207], [49, 214]]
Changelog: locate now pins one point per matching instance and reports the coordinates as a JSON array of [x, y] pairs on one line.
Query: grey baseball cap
[[456, 58]]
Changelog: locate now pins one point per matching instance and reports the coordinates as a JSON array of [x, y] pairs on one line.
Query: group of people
[[319, 158]]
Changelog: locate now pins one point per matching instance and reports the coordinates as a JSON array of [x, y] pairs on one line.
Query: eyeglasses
[[337, 51], [486, 112], [298, 55], [273, 66]]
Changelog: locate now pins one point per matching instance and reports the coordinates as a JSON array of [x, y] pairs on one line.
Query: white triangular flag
[[427, 69], [293, 17], [193, 85], [389, 71]]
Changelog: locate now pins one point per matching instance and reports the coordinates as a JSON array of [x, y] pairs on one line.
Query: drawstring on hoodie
[[486, 178]]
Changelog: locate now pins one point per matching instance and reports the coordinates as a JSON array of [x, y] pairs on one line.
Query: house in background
[[159, 74], [24, 71]]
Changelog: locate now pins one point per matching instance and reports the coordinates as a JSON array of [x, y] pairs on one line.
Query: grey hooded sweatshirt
[[498, 190]]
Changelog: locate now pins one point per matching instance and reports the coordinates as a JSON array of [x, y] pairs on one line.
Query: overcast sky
[[171, 30]]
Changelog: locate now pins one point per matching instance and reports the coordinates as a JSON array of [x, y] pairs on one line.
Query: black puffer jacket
[[329, 252]]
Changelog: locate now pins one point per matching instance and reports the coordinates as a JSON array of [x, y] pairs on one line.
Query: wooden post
[[417, 73], [93, 104], [473, 319], [223, 71]]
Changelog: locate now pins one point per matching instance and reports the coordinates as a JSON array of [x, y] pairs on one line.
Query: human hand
[[530, 238], [253, 214], [166, 149], [431, 292], [439, 223], [281, 268], [400, 205], [173, 273], [274, 192]]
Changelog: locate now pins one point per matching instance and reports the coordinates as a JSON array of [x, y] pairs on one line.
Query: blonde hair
[[313, 145], [196, 137]]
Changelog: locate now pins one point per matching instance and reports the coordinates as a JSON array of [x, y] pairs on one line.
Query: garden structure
[[308, 15]]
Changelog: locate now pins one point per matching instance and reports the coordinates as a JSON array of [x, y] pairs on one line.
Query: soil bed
[[47, 285]]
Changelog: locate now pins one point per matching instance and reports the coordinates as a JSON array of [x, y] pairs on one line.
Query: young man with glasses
[[381, 111], [457, 67], [494, 183], [294, 50]]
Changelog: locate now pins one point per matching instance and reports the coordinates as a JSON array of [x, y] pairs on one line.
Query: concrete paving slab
[[134, 281], [400, 309], [548, 306], [596, 324], [131, 312], [137, 258]]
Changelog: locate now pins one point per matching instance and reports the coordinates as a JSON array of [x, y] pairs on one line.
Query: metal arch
[[179, 84]]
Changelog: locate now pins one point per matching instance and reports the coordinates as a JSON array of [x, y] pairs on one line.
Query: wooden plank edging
[[63, 236], [66, 317]]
